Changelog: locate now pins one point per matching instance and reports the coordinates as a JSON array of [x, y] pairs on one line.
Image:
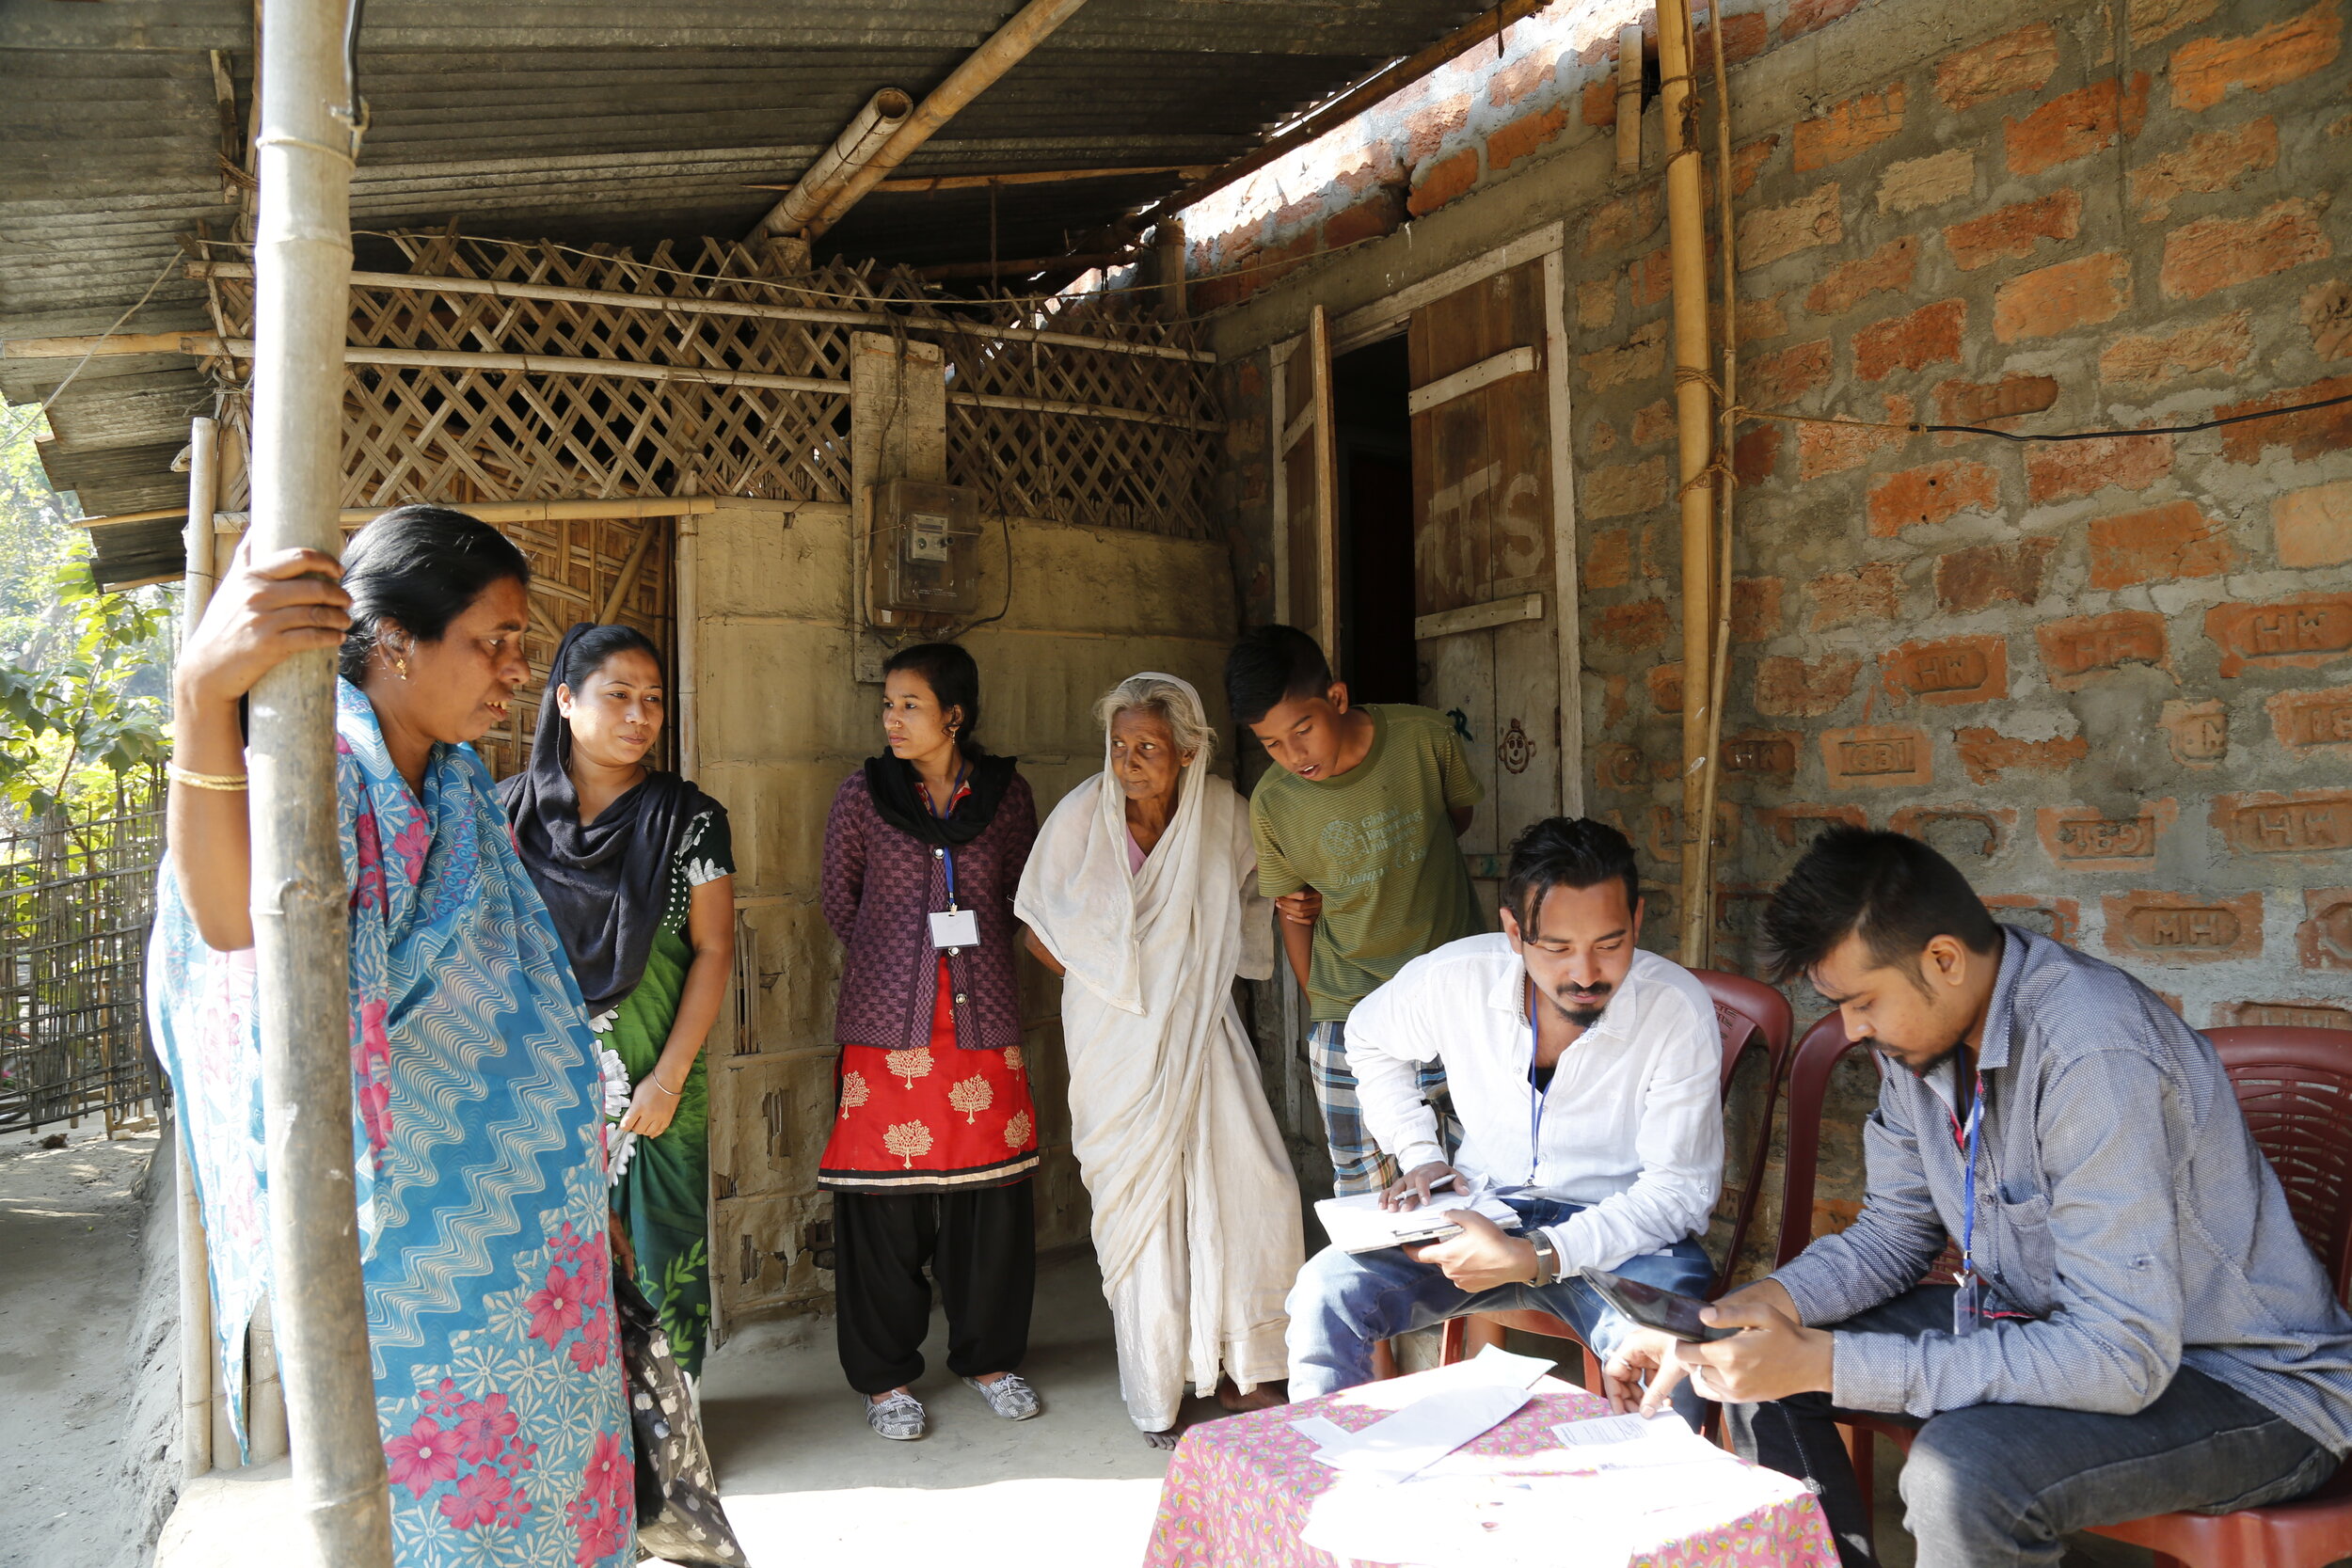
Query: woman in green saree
[[637, 868]]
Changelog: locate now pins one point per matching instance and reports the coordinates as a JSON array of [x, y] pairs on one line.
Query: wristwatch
[[1547, 1259]]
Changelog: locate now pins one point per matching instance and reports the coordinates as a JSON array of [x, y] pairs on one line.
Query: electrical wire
[[37, 410], [1917, 427]]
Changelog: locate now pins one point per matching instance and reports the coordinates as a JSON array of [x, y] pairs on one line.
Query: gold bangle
[[231, 783]]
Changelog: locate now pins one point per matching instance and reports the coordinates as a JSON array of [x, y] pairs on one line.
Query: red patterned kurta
[[932, 1118]]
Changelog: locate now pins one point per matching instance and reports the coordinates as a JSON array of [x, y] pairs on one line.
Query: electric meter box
[[925, 555]]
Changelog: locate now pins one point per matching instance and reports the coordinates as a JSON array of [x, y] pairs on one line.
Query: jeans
[[1996, 1484], [1358, 1166], [1343, 1303]]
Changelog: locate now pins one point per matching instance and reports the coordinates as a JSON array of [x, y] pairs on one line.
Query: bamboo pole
[[1169, 241], [1694, 418], [851, 151], [1629, 98], [1727, 487], [1327, 460], [196, 1295], [306, 147], [1035, 176], [1005, 48], [685, 560], [196, 589]]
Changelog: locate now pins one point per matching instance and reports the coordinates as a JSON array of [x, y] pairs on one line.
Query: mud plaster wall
[[783, 720], [2112, 680]]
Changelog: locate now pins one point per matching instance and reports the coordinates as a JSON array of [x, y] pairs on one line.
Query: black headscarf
[[898, 796], [606, 884]]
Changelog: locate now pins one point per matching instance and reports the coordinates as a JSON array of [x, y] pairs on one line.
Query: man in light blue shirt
[[2138, 1328]]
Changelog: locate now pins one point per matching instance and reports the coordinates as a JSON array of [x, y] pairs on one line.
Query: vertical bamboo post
[[305, 150], [196, 1295], [684, 562], [1727, 280], [1686, 229], [1168, 239], [1628, 98]]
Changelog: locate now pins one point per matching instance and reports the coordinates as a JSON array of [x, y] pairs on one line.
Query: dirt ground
[[70, 1228]]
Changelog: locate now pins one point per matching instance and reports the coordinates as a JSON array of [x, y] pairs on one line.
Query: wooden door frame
[[1386, 317]]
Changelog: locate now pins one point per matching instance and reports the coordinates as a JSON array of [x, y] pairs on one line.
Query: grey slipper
[[1009, 1396], [899, 1417]]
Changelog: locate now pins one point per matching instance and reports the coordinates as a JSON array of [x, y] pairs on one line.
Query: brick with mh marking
[[2060, 919], [2305, 435], [2014, 232], [2205, 71], [2075, 649], [2076, 124], [1984, 402], [2159, 543], [1987, 753], [1794, 689], [1985, 575], [1955, 832], [2324, 940], [1929, 494], [2083, 838], [2305, 720], [2220, 345], [2313, 526], [1921, 337], [2060, 299], [1879, 757], [2212, 161], [2061, 469], [2269, 822], [1929, 182], [2184, 927], [1773, 380], [1764, 754], [2014, 62], [1853, 126], [2219, 252], [1948, 671], [1887, 269], [2301, 633], [1828, 448], [1768, 233], [2199, 732]]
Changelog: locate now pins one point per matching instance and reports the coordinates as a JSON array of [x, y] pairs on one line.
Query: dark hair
[[420, 567], [1566, 852], [1269, 666], [1893, 892], [954, 680], [595, 645]]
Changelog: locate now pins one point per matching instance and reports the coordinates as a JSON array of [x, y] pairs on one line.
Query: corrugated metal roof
[[598, 122]]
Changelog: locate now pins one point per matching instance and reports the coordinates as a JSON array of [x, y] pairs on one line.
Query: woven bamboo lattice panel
[[1111, 436]]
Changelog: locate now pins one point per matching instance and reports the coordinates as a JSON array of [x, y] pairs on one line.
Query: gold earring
[[400, 667]]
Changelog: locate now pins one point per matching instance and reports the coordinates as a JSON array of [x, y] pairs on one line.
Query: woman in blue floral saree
[[478, 1103]]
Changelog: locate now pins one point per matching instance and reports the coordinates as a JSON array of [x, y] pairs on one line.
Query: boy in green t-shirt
[[1356, 829]]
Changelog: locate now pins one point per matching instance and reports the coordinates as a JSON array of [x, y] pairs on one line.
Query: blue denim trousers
[[1343, 1303]]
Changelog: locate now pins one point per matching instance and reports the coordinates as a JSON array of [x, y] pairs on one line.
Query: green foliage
[[81, 712], [82, 671]]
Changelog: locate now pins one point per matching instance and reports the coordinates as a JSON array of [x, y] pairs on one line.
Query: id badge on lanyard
[[1968, 1299], [952, 929]]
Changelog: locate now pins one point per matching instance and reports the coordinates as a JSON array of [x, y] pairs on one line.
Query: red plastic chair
[[1749, 1016], [2295, 1087]]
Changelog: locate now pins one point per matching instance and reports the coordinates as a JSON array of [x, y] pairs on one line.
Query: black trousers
[[981, 1246]]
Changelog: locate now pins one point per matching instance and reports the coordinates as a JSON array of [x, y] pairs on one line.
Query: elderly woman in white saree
[[1141, 892]]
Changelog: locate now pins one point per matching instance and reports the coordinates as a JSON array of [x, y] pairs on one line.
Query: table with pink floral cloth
[[1238, 1492]]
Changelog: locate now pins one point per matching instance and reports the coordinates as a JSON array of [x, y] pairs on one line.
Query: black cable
[[2156, 430]]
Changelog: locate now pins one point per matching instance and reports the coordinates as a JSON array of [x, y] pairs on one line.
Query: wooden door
[[1488, 595], [1307, 487]]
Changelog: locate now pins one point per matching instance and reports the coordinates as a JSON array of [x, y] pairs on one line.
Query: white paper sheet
[[1395, 1447], [1357, 1223], [1631, 1442], [1492, 1367]]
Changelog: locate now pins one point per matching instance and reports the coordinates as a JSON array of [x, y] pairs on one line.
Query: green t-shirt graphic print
[[1376, 843]]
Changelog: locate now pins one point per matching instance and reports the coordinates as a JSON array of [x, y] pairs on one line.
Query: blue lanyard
[[1535, 1112], [947, 851], [1967, 1139]]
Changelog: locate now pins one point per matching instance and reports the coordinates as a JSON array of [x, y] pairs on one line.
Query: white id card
[[955, 928]]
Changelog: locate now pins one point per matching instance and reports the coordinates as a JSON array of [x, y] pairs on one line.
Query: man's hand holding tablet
[[1771, 1357]]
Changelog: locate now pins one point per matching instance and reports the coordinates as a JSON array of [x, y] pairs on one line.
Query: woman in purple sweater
[[931, 1152]]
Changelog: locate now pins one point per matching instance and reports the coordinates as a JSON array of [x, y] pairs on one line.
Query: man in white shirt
[[1584, 1072]]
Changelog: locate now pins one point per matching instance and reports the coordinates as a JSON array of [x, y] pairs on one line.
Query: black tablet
[[1667, 1311]]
